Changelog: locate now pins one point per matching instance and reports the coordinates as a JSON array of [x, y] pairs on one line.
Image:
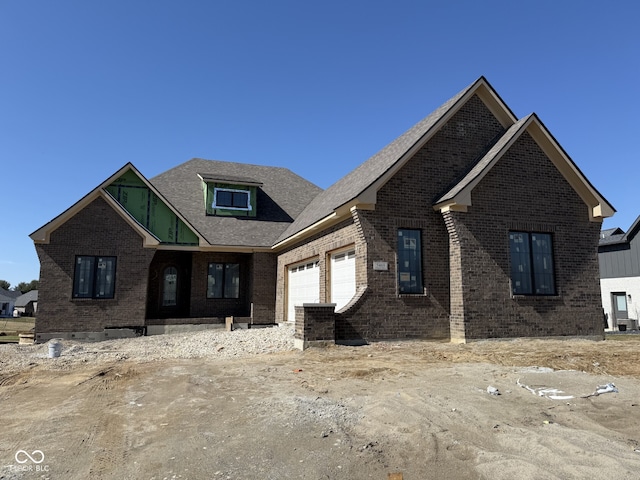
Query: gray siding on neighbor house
[[620, 259]]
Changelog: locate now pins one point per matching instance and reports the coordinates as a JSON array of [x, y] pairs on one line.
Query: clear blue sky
[[317, 87]]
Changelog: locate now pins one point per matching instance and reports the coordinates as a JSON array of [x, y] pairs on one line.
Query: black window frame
[[88, 280], [410, 285], [235, 194], [529, 274], [225, 292]]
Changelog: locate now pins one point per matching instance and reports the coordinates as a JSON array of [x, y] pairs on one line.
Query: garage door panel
[[303, 286], [343, 278]]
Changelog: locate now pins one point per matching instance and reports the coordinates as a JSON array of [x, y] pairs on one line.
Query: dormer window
[[229, 196], [232, 199]]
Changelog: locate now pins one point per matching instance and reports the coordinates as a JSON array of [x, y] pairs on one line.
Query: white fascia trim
[[599, 208], [43, 234], [450, 207], [493, 102], [327, 221], [222, 248]]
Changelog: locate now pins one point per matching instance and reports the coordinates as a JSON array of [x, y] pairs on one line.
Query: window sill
[[525, 297], [412, 295], [89, 299]]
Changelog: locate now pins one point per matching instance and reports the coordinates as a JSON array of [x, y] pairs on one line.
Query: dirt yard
[[421, 409]]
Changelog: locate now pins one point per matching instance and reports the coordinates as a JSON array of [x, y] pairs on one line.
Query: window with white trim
[[231, 199]]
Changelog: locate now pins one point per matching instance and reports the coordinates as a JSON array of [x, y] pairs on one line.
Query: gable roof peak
[[633, 230], [360, 186], [458, 197], [42, 235]]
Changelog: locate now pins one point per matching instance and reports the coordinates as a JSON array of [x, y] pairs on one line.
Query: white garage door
[[343, 278], [304, 286]]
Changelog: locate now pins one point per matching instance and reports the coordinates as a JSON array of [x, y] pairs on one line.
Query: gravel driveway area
[[208, 343]]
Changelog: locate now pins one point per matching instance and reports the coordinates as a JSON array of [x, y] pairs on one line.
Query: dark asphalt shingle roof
[[9, 294], [281, 198], [358, 180], [612, 239], [616, 235], [611, 231], [24, 299]]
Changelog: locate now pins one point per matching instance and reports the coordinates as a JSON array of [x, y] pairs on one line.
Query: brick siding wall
[[318, 247], [96, 230], [99, 230], [525, 192], [257, 287], [201, 306], [456, 317], [405, 202], [314, 324], [264, 273]]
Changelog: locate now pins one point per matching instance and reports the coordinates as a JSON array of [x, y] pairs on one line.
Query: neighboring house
[[619, 257], [7, 302], [473, 224], [26, 304]]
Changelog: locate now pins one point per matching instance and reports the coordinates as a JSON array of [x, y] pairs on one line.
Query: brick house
[[473, 224], [619, 257]]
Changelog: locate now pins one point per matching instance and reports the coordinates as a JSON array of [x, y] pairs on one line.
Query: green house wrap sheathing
[[209, 192], [150, 211]]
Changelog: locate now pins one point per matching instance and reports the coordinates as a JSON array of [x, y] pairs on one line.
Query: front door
[[619, 306], [169, 285]]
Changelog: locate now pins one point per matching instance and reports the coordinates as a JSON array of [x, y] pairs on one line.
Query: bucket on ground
[[55, 347]]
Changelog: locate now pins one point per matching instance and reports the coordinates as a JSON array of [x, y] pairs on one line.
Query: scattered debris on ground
[[246, 405]]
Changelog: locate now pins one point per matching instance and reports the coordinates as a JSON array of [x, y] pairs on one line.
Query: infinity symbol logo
[[35, 453]]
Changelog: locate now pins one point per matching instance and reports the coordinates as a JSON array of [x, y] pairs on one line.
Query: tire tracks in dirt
[[103, 447]]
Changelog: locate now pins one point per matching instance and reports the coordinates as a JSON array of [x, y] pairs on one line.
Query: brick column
[[457, 327], [315, 325]]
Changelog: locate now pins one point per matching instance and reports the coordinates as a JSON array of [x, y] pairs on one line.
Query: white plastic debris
[[608, 388], [492, 390], [600, 389], [552, 393]]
